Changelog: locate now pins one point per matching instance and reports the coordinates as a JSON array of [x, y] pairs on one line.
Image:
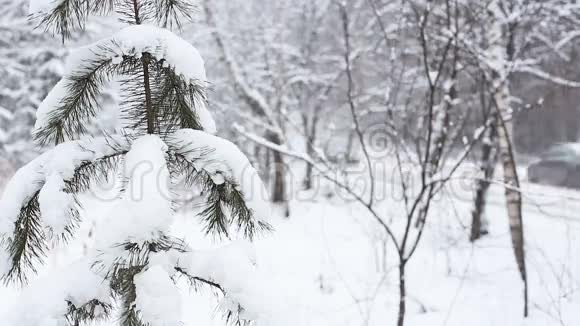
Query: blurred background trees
[[30, 64]]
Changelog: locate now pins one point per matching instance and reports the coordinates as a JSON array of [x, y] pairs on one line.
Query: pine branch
[[91, 172], [225, 204], [170, 13], [87, 174], [102, 7], [80, 104], [214, 215], [135, 256], [196, 282], [27, 247], [231, 317], [65, 17], [176, 100], [91, 311], [173, 99], [122, 276], [133, 260], [123, 284], [163, 105], [223, 199], [132, 107], [243, 216], [134, 11], [72, 226], [70, 15]]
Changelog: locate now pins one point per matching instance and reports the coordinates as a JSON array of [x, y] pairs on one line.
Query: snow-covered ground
[[329, 264]]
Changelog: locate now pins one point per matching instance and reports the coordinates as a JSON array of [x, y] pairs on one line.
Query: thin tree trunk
[[279, 189], [402, 295], [312, 133], [505, 53], [266, 159], [488, 162], [148, 103], [307, 184], [349, 156], [145, 59], [511, 180], [279, 181]]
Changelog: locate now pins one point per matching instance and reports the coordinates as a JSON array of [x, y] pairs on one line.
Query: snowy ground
[[330, 265]]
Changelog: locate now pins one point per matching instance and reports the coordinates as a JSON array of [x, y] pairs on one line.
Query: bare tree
[[437, 66]]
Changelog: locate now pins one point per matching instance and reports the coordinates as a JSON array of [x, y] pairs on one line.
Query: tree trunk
[[311, 130], [307, 183], [504, 53], [279, 169], [487, 166], [349, 156], [512, 185], [279, 187], [402, 295]]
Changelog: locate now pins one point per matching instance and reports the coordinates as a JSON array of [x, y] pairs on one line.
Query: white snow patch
[[144, 212], [158, 299], [161, 43], [44, 302], [55, 204], [205, 118], [233, 267]]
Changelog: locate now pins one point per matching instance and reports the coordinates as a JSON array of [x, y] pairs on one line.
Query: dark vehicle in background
[[558, 166]]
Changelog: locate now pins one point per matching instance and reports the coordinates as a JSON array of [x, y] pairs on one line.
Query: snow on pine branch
[[144, 215], [248, 293], [158, 298], [47, 300], [55, 204], [224, 161], [51, 170], [162, 44], [144, 212]]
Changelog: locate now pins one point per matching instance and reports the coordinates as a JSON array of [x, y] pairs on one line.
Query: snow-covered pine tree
[[167, 137]]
